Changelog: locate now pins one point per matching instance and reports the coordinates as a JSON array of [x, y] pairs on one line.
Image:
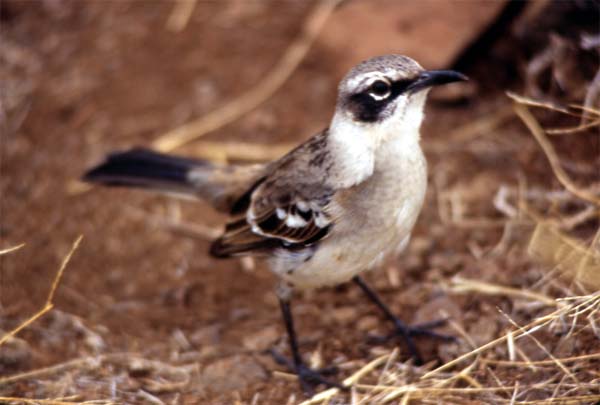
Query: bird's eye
[[379, 89]]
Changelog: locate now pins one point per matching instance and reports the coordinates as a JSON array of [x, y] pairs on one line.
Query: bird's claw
[[407, 333], [309, 378], [425, 329]]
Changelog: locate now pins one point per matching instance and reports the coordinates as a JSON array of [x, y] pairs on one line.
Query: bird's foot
[[308, 377], [425, 329], [407, 333]]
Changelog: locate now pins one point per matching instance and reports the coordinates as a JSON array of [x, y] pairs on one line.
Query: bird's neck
[[352, 151], [358, 148]]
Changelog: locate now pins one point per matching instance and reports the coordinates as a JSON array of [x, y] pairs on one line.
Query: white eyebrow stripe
[[377, 78], [360, 81], [389, 75]]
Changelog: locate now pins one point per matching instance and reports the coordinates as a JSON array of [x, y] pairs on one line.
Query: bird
[[330, 209]]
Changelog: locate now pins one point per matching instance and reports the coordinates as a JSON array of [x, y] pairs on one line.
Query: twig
[[180, 16], [587, 109], [574, 399], [259, 93], [551, 155], [541, 346], [327, 394], [540, 104], [30, 401], [130, 360], [57, 368], [573, 130], [581, 217], [49, 304], [150, 398], [11, 249], [532, 326], [508, 363], [591, 95], [246, 151], [460, 284]]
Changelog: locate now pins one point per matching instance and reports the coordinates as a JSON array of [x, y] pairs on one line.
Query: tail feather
[[221, 185], [146, 169]]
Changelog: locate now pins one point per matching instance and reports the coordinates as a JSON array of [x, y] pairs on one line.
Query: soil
[[84, 79]]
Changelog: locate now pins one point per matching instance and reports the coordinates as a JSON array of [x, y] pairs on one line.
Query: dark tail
[[147, 169]]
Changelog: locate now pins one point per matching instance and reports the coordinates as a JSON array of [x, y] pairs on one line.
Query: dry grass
[[168, 377], [49, 301], [482, 375]]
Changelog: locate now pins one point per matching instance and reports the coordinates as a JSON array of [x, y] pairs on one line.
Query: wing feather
[[288, 209]]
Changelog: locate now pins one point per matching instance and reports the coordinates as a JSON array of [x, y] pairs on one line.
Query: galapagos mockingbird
[[329, 209]]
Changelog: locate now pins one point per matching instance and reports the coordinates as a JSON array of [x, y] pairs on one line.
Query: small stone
[[420, 245], [412, 263], [367, 323], [232, 373], [139, 368], [344, 315], [261, 340], [208, 335], [439, 308], [15, 354], [483, 330]]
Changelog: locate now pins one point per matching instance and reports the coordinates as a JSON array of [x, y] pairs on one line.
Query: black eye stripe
[[399, 86], [366, 107], [382, 88]]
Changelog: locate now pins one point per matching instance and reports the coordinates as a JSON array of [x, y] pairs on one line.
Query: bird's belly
[[357, 244], [334, 264]]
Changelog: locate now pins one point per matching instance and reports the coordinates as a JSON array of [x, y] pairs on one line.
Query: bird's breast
[[375, 217], [388, 204]]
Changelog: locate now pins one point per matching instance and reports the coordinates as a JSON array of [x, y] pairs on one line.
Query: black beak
[[431, 78]]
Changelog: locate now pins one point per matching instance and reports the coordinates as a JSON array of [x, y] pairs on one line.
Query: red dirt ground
[[91, 78]]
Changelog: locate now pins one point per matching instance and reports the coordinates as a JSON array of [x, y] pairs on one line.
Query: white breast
[[377, 218]]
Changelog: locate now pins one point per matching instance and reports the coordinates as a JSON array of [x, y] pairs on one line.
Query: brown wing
[[289, 208], [293, 226]]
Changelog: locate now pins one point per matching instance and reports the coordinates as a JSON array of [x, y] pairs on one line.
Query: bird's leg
[[401, 329], [308, 377]]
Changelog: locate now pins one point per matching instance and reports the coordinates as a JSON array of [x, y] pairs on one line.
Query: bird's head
[[387, 93]]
